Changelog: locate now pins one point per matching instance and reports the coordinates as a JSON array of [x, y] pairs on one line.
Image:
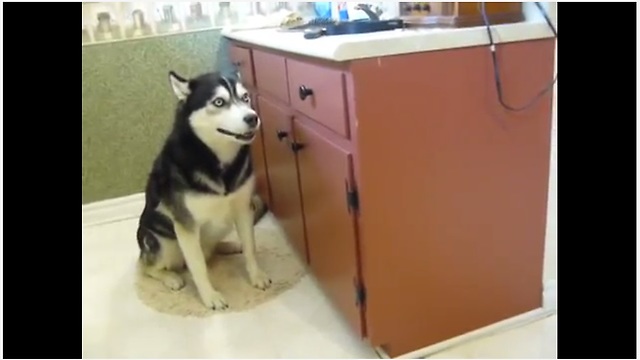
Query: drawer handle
[[304, 92], [281, 134], [238, 63]]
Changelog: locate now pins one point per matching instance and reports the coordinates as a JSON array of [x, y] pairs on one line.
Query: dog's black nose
[[251, 120]]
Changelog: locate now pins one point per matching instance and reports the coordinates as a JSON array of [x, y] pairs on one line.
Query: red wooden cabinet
[[271, 75], [259, 161], [325, 178], [318, 92], [443, 232], [282, 171], [242, 59]]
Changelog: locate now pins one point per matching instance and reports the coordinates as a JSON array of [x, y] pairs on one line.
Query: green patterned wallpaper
[[127, 106]]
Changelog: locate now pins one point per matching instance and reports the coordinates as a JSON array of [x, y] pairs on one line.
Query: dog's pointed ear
[[238, 76], [179, 85]]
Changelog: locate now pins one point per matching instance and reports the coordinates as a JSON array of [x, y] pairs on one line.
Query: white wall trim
[[111, 210], [549, 300], [501, 326]]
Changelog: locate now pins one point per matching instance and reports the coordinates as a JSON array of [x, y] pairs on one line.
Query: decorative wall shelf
[[106, 22]]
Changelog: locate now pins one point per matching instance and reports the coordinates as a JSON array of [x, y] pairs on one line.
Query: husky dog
[[201, 186]]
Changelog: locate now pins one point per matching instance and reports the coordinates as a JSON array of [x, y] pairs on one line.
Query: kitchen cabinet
[[325, 173], [282, 171], [259, 162], [417, 201]]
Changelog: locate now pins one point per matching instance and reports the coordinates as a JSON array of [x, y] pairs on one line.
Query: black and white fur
[[201, 186]]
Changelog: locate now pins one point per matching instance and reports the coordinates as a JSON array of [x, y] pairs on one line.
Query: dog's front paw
[[214, 300], [260, 280], [173, 281]]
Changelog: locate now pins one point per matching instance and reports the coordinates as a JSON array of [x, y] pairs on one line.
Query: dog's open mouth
[[245, 136]]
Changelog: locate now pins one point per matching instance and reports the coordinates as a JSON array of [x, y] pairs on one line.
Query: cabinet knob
[[237, 63], [304, 92], [281, 134], [295, 147]]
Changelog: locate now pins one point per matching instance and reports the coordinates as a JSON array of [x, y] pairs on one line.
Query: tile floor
[[298, 324]]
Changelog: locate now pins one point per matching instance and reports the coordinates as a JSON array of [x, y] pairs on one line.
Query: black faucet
[[373, 15]]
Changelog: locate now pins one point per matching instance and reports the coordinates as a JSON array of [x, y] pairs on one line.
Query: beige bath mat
[[228, 275]]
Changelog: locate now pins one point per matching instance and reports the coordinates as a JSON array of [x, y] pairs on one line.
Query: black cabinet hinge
[[361, 293], [353, 201]]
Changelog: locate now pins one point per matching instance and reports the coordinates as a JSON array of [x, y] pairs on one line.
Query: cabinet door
[[242, 59], [259, 162], [282, 172], [325, 172]]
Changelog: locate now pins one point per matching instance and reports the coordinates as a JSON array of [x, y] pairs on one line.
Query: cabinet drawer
[[319, 93], [271, 74], [241, 58]]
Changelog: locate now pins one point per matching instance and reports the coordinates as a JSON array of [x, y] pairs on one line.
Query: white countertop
[[385, 43]]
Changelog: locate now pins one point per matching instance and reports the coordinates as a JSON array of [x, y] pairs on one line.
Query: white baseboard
[[549, 301], [505, 325], [111, 210]]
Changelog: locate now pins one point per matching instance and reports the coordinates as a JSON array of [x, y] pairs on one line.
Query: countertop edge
[[350, 47]]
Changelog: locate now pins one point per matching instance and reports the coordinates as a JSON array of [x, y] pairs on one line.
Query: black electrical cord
[[496, 71]]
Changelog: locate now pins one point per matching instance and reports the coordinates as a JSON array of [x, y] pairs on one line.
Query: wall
[[127, 106]]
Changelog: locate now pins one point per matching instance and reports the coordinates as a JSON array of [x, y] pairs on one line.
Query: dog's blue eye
[[246, 98], [218, 102]]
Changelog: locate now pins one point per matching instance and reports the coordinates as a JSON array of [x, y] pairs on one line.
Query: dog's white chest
[[219, 209], [206, 208]]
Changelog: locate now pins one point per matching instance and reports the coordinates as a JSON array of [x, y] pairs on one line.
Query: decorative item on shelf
[[168, 19], [226, 15], [343, 11], [259, 9], [283, 5], [107, 28], [323, 9], [104, 20], [387, 10], [197, 17], [139, 23], [416, 8], [87, 33], [305, 9], [268, 8], [195, 10], [459, 14], [264, 8], [245, 10], [86, 37], [137, 20], [104, 24]]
